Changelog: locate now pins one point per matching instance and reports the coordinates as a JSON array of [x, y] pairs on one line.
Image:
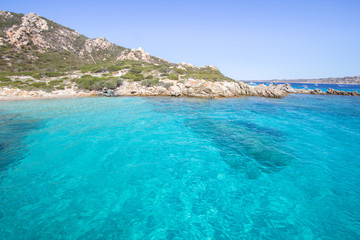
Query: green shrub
[[97, 83], [5, 79], [150, 82], [136, 69], [133, 76], [173, 76], [54, 74], [180, 71], [206, 74], [55, 82], [60, 87], [149, 77], [40, 86], [112, 83], [164, 69], [165, 85], [114, 68]]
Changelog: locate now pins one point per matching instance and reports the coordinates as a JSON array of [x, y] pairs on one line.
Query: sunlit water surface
[[180, 168]]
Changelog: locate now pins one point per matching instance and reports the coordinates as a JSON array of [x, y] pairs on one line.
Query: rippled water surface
[[180, 168]]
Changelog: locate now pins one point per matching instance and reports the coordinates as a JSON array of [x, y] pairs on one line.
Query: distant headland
[[355, 80]]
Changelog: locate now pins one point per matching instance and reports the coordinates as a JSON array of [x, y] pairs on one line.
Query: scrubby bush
[[206, 74], [55, 82], [97, 83], [133, 76], [150, 82], [4, 79], [173, 76], [112, 83], [54, 74], [60, 87], [114, 68], [90, 83], [165, 85], [164, 69], [40, 86], [92, 68], [180, 71], [136, 69]]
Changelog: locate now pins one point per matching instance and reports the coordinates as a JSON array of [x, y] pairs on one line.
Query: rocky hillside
[[31, 43]]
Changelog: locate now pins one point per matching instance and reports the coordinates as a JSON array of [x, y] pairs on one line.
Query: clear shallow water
[[180, 168]]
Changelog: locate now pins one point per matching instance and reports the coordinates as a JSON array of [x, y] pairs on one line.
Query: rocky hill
[[31, 42]]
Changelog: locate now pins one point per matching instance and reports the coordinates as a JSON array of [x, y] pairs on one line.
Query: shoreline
[[190, 88], [26, 98]]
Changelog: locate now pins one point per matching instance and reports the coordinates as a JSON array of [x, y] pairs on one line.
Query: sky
[[245, 39]]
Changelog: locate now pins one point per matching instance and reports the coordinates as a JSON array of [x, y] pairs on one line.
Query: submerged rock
[[108, 92]]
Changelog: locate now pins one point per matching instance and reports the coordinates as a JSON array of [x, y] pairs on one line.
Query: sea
[[323, 87], [180, 168]]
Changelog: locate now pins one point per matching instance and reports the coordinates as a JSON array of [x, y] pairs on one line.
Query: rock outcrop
[[185, 65], [338, 92], [310, 91], [97, 44], [35, 31], [29, 32], [188, 88], [10, 93], [204, 89], [139, 55]]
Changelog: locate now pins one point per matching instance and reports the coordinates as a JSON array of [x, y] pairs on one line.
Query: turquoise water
[[323, 87], [180, 168]]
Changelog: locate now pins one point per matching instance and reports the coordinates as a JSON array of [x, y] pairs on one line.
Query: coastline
[[189, 88], [19, 98]]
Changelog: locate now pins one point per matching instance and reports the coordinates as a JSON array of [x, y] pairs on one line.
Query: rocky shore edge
[[188, 88]]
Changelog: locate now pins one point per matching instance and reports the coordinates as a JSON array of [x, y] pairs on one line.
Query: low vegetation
[[89, 82], [98, 76], [31, 85]]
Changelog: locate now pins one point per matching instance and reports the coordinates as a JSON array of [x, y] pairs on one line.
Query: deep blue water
[[324, 87], [180, 168]]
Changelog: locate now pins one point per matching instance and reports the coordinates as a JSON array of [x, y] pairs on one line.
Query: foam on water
[[180, 168]]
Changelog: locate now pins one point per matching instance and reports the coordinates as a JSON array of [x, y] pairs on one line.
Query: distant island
[[40, 58], [355, 80]]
